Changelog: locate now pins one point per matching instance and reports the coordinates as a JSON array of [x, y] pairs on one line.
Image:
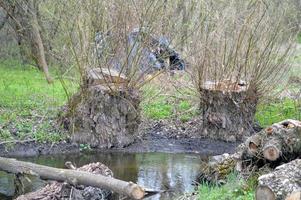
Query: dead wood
[[72, 177], [281, 183]]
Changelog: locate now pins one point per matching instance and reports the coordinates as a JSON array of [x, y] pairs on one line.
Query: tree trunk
[[281, 183], [23, 15], [73, 177], [228, 110], [103, 114], [37, 45]]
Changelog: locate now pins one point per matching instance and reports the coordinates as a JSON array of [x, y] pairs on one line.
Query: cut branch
[[73, 177]]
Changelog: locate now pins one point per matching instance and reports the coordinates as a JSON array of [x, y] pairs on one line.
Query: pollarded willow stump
[[283, 183], [103, 114], [228, 110]]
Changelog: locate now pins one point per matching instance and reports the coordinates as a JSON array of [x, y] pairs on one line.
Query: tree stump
[[103, 114], [228, 110], [283, 183]]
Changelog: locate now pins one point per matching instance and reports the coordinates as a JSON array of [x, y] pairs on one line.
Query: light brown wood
[[272, 149], [264, 193], [294, 196], [103, 76], [253, 144], [73, 177]]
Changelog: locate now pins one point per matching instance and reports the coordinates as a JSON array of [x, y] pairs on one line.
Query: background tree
[[24, 21]]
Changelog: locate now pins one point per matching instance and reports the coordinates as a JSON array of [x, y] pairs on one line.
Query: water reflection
[[160, 171]]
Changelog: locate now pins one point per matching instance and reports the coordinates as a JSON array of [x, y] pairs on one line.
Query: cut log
[[281, 183], [272, 149], [73, 177], [279, 142], [275, 145], [253, 143], [228, 110], [294, 196]]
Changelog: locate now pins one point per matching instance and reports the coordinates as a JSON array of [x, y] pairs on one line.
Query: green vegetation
[[234, 188], [28, 105], [276, 111]]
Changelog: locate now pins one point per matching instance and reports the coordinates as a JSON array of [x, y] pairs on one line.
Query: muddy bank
[[33, 148], [152, 143], [152, 137]]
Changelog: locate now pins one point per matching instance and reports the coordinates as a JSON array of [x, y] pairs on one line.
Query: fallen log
[[73, 177], [283, 183], [65, 191]]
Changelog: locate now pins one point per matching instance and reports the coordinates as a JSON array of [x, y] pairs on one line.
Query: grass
[[276, 111], [28, 105], [234, 188]]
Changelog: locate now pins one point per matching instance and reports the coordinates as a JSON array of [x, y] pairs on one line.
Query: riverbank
[[156, 138]]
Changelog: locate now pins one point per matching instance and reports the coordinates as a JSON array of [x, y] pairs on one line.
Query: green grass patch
[[276, 111], [235, 188], [28, 104]]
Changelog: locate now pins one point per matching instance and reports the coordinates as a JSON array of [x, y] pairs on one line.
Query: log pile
[[228, 110], [283, 183], [280, 142], [103, 114], [271, 147]]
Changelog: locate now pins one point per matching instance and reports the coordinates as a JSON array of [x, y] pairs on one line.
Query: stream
[[173, 172]]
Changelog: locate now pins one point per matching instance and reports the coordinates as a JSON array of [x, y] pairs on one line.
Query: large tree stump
[[228, 110], [103, 114], [283, 183]]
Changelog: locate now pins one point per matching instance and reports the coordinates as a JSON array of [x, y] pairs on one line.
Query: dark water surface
[[160, 171]]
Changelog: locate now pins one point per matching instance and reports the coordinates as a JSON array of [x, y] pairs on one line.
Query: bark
[[103, 114], [275, 145], [38, 50], [73, 177], [281, 183], [279, 142], [228, 110]]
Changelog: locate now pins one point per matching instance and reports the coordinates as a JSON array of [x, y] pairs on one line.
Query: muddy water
[[160, 171]]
